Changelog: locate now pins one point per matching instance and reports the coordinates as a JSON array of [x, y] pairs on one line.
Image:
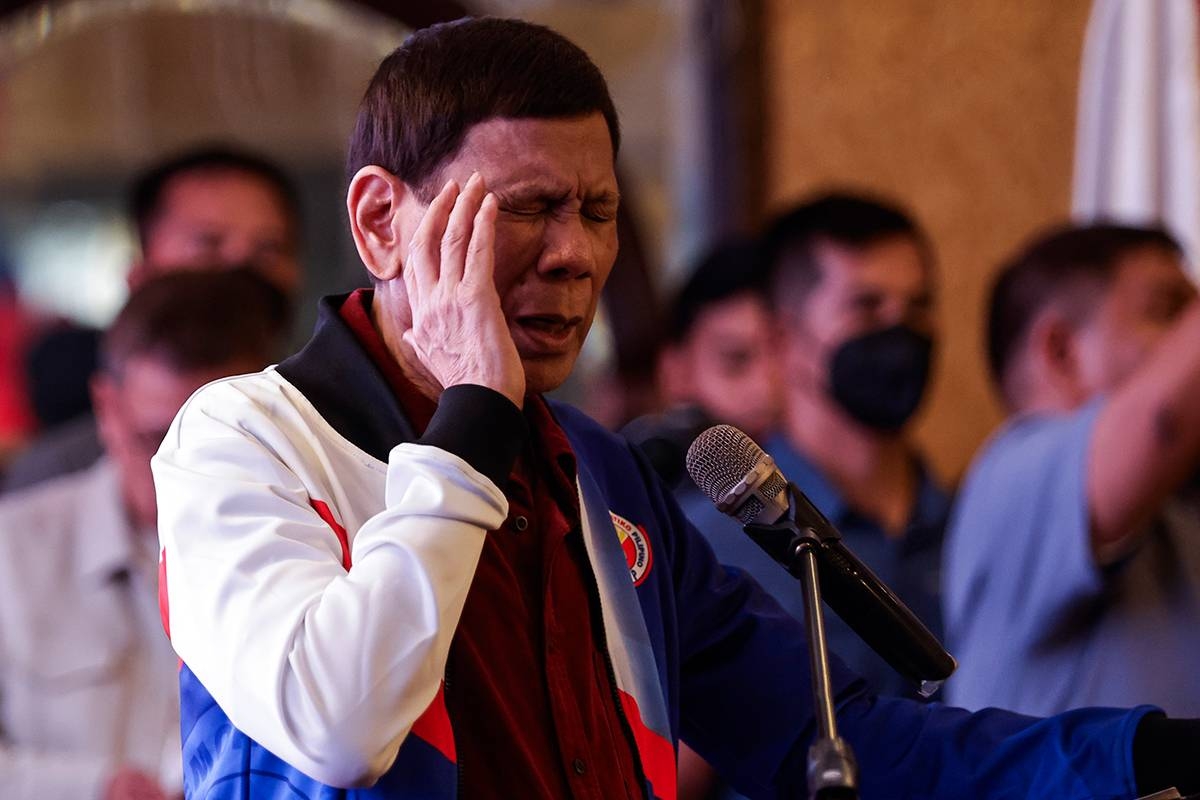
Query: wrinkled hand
[[133, 784], [458, 328]]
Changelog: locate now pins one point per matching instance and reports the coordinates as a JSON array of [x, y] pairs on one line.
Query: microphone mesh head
[[720, 458], [772, 487]]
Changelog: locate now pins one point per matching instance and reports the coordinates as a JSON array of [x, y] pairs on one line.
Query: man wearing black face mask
[[852, 291]]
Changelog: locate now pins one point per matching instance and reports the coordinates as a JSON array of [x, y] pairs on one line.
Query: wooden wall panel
[[963, 111]]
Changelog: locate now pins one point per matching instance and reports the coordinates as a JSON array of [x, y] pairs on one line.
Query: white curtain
[[1137, 156]]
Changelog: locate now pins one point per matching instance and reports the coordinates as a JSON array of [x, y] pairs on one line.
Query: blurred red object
[[16, 329]]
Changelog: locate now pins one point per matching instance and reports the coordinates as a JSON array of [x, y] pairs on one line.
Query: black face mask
[[879, 378]]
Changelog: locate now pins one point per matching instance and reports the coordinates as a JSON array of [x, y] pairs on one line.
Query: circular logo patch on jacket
[[636, 546]]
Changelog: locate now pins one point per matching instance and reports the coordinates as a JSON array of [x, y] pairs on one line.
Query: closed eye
[[524, 211], [600, 209], [600, 215]]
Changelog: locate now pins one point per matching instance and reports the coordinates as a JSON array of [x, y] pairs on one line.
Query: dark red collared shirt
[[529, 688]]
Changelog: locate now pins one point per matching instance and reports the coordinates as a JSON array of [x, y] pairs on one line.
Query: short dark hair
[[1065, 264], [729, 269], [197, 320], [148, 189], [446, 78], [849, 219]]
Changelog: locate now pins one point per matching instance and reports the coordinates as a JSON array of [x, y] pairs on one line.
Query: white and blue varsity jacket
[[317, 555]]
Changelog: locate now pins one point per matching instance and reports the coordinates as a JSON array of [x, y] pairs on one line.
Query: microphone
[[744, 482]]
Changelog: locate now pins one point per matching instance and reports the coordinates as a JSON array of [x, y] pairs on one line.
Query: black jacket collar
[[337, 376]]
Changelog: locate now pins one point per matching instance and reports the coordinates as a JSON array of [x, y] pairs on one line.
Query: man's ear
[[1053, 349], [380, 206]]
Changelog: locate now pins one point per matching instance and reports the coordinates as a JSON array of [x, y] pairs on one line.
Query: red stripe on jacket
[[164, 605], [433, 727], [322, 508], [658, 754]]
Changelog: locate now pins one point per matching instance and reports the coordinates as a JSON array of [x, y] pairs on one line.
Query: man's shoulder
[[64, 449], [1028, 444], [50, 500], [41, 524], [1030, 476], [265, 384], [262, 407], [240, 399]]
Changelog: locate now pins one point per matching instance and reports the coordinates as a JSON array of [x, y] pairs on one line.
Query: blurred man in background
[[88, 685], [217, 206], [211, 208], [852, 290], [1072, 570], [718, 363], [719, 356]]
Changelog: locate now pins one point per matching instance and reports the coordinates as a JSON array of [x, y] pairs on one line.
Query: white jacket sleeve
[[327, 669]]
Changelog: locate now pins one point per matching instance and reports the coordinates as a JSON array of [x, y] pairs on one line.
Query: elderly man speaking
[[394, 570]]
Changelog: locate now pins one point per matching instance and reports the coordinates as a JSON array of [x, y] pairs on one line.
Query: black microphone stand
[[832, 772]]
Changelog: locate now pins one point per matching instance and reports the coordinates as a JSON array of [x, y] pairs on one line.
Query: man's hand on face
[[459, 332]]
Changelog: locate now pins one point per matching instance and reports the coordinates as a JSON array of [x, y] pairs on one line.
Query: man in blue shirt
[[852, 287], [1072, 573]]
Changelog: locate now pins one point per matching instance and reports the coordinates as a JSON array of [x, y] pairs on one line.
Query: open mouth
[[548, 332]]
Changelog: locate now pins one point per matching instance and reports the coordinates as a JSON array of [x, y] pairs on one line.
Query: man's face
[[727, 364], [556, 231], [1148, 292], [859, 291], [222, 217], [135, 410]]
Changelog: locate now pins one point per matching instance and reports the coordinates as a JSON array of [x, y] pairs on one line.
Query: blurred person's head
[[217, 207], [1073, 314], [176, 333], [720, 355], [531, 113], [853, 289]]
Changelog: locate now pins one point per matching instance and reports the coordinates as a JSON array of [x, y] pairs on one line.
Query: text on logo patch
[[636, 546]]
